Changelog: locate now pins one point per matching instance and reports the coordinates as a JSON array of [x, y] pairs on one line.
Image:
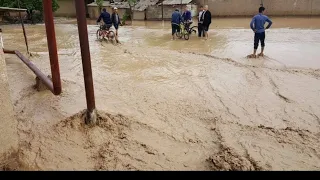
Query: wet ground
[[174, 105]]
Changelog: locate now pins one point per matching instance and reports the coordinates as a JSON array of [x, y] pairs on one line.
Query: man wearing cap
[[115, 20]]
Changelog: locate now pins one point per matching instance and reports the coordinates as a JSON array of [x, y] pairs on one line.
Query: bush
[[125, 17]]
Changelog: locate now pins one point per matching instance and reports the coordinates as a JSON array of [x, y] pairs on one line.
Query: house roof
[[12, 9], [176, 2], [144, 4], [140, 6]]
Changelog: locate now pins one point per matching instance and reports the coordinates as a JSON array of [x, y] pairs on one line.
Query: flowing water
[[173, 105]]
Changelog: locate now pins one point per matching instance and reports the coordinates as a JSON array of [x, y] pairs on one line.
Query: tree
[[100, 4], [132, 4], [31, 5]]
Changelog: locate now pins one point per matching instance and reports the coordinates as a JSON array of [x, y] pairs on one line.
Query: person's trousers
[[200, 30], [175, 28], [259, 37]]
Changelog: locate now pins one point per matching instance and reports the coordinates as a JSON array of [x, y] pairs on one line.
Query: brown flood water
[[173, 105]]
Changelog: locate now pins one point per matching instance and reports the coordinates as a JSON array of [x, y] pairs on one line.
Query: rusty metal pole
[[91, 117], [23, 29], [162, 10], [52, 46]]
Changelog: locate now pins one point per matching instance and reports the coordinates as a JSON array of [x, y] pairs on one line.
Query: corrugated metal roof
[[144, 4], [175, 2], [12, 9], [140, 6]]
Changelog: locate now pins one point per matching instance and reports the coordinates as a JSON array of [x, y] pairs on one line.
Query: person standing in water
[[200, 28], [257, 26], [206, 20], [115, 21], [176, 19]]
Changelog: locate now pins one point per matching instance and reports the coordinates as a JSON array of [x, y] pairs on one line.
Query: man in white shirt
[[200, 27]]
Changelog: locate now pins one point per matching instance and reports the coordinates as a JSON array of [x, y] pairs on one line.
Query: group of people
[[204, 20], [110, 20]]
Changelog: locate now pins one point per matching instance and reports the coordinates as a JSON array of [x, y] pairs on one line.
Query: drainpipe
[[23, 29], [91, 116], [52, 46], [162, 10]]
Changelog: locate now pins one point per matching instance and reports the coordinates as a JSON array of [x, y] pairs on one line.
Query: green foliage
[[30, 5], [125, 17], [132, 3], [100, 4]]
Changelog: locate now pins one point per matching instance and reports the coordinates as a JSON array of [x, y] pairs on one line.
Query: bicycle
[[185, 30], [105, 34]]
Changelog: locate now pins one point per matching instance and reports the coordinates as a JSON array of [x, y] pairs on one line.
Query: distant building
[[94, 12], [144, 9], [166, 7], [68, 9]]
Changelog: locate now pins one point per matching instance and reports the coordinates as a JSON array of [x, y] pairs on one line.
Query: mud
[[171, 105]]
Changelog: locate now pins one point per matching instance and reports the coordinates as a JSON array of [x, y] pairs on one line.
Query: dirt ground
[[162, 107]]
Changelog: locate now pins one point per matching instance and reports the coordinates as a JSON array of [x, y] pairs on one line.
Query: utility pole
[[162, 10], [24, 30]]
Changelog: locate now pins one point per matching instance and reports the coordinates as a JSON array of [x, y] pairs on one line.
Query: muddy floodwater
[[173, 105]]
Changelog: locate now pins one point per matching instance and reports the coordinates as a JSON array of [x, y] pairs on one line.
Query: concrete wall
[[250, 7], [8, 123], [155, 12], [139, 15], [67, 8], [94, 12]]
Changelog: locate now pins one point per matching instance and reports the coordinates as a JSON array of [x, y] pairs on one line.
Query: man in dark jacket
[[187, 17], [115, 20], [176, 19], [105, 16], [206, 19]]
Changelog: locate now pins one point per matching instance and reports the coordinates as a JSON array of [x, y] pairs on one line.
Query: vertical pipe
[[24, 33], [1, 40], [23, 29], [162, 10], [52, 46], [86, 61]]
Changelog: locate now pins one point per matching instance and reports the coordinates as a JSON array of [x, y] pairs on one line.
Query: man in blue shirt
[[187, 17], [176, 19], [105, 16], [186, 14], [257, 25]]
